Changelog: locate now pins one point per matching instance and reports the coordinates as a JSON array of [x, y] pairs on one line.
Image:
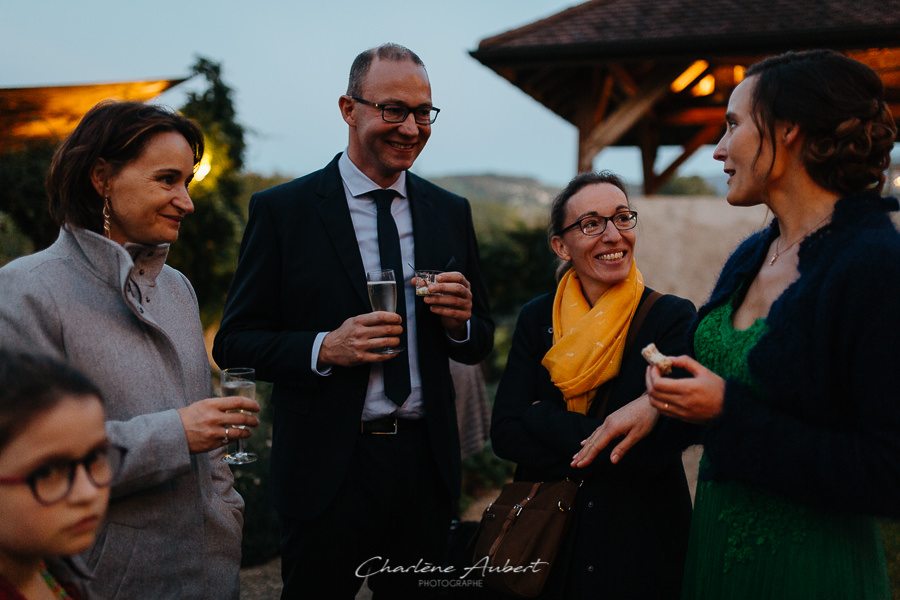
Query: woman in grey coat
[[102, 298]]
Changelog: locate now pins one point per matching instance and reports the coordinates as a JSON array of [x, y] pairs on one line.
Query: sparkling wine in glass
[[382, 288], [240, 381]]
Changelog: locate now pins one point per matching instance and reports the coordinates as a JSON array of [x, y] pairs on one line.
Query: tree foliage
[[214, 108], [517, 265], [206, 251], [692, 185], [23, 197], [12, 242]]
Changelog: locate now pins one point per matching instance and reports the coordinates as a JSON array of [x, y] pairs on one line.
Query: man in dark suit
[[365, 455]]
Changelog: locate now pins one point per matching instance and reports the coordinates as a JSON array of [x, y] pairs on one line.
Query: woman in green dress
[[797, 370]]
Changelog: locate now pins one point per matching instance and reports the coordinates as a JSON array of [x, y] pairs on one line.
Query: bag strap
[[636, 323], [511, 517]]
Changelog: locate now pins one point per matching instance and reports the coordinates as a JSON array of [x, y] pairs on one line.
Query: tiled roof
[[648, 27]]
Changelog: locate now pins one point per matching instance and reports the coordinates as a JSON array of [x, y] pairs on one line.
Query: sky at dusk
[[288, 61]]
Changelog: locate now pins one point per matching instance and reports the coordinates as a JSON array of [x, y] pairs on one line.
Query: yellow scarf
[[588, 343]]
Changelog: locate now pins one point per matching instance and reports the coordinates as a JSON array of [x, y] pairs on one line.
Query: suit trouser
[[391, 514]]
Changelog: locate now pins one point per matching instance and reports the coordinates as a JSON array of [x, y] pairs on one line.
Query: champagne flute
[[240, 381], [382, 287]]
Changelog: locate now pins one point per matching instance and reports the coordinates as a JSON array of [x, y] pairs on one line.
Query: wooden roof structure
[[651, 73], [32, 113]]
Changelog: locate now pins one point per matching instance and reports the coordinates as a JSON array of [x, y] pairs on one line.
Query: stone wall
[[683, 242]]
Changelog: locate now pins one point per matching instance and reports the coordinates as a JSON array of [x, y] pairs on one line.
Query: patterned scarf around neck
[[588, 342]]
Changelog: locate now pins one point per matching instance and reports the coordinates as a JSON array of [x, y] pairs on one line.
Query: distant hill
[[505, 190], [525, 192], [519, 192], [496, 199]]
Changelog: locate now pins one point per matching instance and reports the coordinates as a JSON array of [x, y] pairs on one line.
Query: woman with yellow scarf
[[568, 372]]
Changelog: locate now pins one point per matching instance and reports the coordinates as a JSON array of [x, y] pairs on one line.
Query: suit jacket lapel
[[331, 204], [425, 219]]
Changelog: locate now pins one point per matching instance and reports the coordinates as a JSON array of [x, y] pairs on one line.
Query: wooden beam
[[593, 99], [602, 99], [699, 115], [649, 139], [705, 136], [585, 161], [626, 82], [563, 91], [626, 115]]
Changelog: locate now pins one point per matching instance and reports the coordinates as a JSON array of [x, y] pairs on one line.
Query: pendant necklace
[[777, 253]]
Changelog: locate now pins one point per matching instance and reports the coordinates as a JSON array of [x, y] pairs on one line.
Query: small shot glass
[[423, 278]]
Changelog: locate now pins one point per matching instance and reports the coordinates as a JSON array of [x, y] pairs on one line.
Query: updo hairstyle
[[839, 105]]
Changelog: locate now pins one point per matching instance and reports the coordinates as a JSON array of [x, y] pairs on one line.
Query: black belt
[[387, 425]]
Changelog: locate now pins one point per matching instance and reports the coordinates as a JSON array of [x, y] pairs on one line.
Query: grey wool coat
[[131, 323]]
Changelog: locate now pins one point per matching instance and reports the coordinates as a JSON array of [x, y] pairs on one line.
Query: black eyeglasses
[[397, 113], [52, 482], [596, 225]]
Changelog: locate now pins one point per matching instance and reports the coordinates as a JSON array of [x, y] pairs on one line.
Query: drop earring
[[106, 217]]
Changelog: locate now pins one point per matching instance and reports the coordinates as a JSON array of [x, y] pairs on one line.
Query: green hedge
[[890, 535], [260, 541]]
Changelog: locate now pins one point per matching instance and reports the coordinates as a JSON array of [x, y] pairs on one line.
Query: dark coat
[[301, 273], [631, 522]]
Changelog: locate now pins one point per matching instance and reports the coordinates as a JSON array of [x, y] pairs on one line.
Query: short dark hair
[[839, 105], [31, 385], [116, 132], [558, 207], [360, 67]]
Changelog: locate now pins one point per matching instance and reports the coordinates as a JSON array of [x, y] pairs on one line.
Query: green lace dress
[[748, 543]]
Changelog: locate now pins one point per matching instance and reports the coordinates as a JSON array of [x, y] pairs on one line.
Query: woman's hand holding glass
[[205, 421], [238, 382], [696, 399]]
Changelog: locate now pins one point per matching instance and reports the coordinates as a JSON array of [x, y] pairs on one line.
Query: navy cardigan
[[824, 429]]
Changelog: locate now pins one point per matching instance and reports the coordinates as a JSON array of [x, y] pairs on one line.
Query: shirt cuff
[[314, 361], [465, 339]]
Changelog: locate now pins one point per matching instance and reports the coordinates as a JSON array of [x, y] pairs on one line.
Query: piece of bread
[[656, 358]]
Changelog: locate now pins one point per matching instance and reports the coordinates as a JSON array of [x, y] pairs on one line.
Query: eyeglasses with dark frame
[[397, 113], [52, 482], [596, 225]]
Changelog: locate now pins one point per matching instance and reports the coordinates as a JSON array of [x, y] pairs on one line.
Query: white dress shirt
[[363, 214]]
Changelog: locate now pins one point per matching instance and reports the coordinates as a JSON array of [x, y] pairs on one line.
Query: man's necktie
[[396, 370]]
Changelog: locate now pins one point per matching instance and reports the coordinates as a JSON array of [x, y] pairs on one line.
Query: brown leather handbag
[[520, 534]]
